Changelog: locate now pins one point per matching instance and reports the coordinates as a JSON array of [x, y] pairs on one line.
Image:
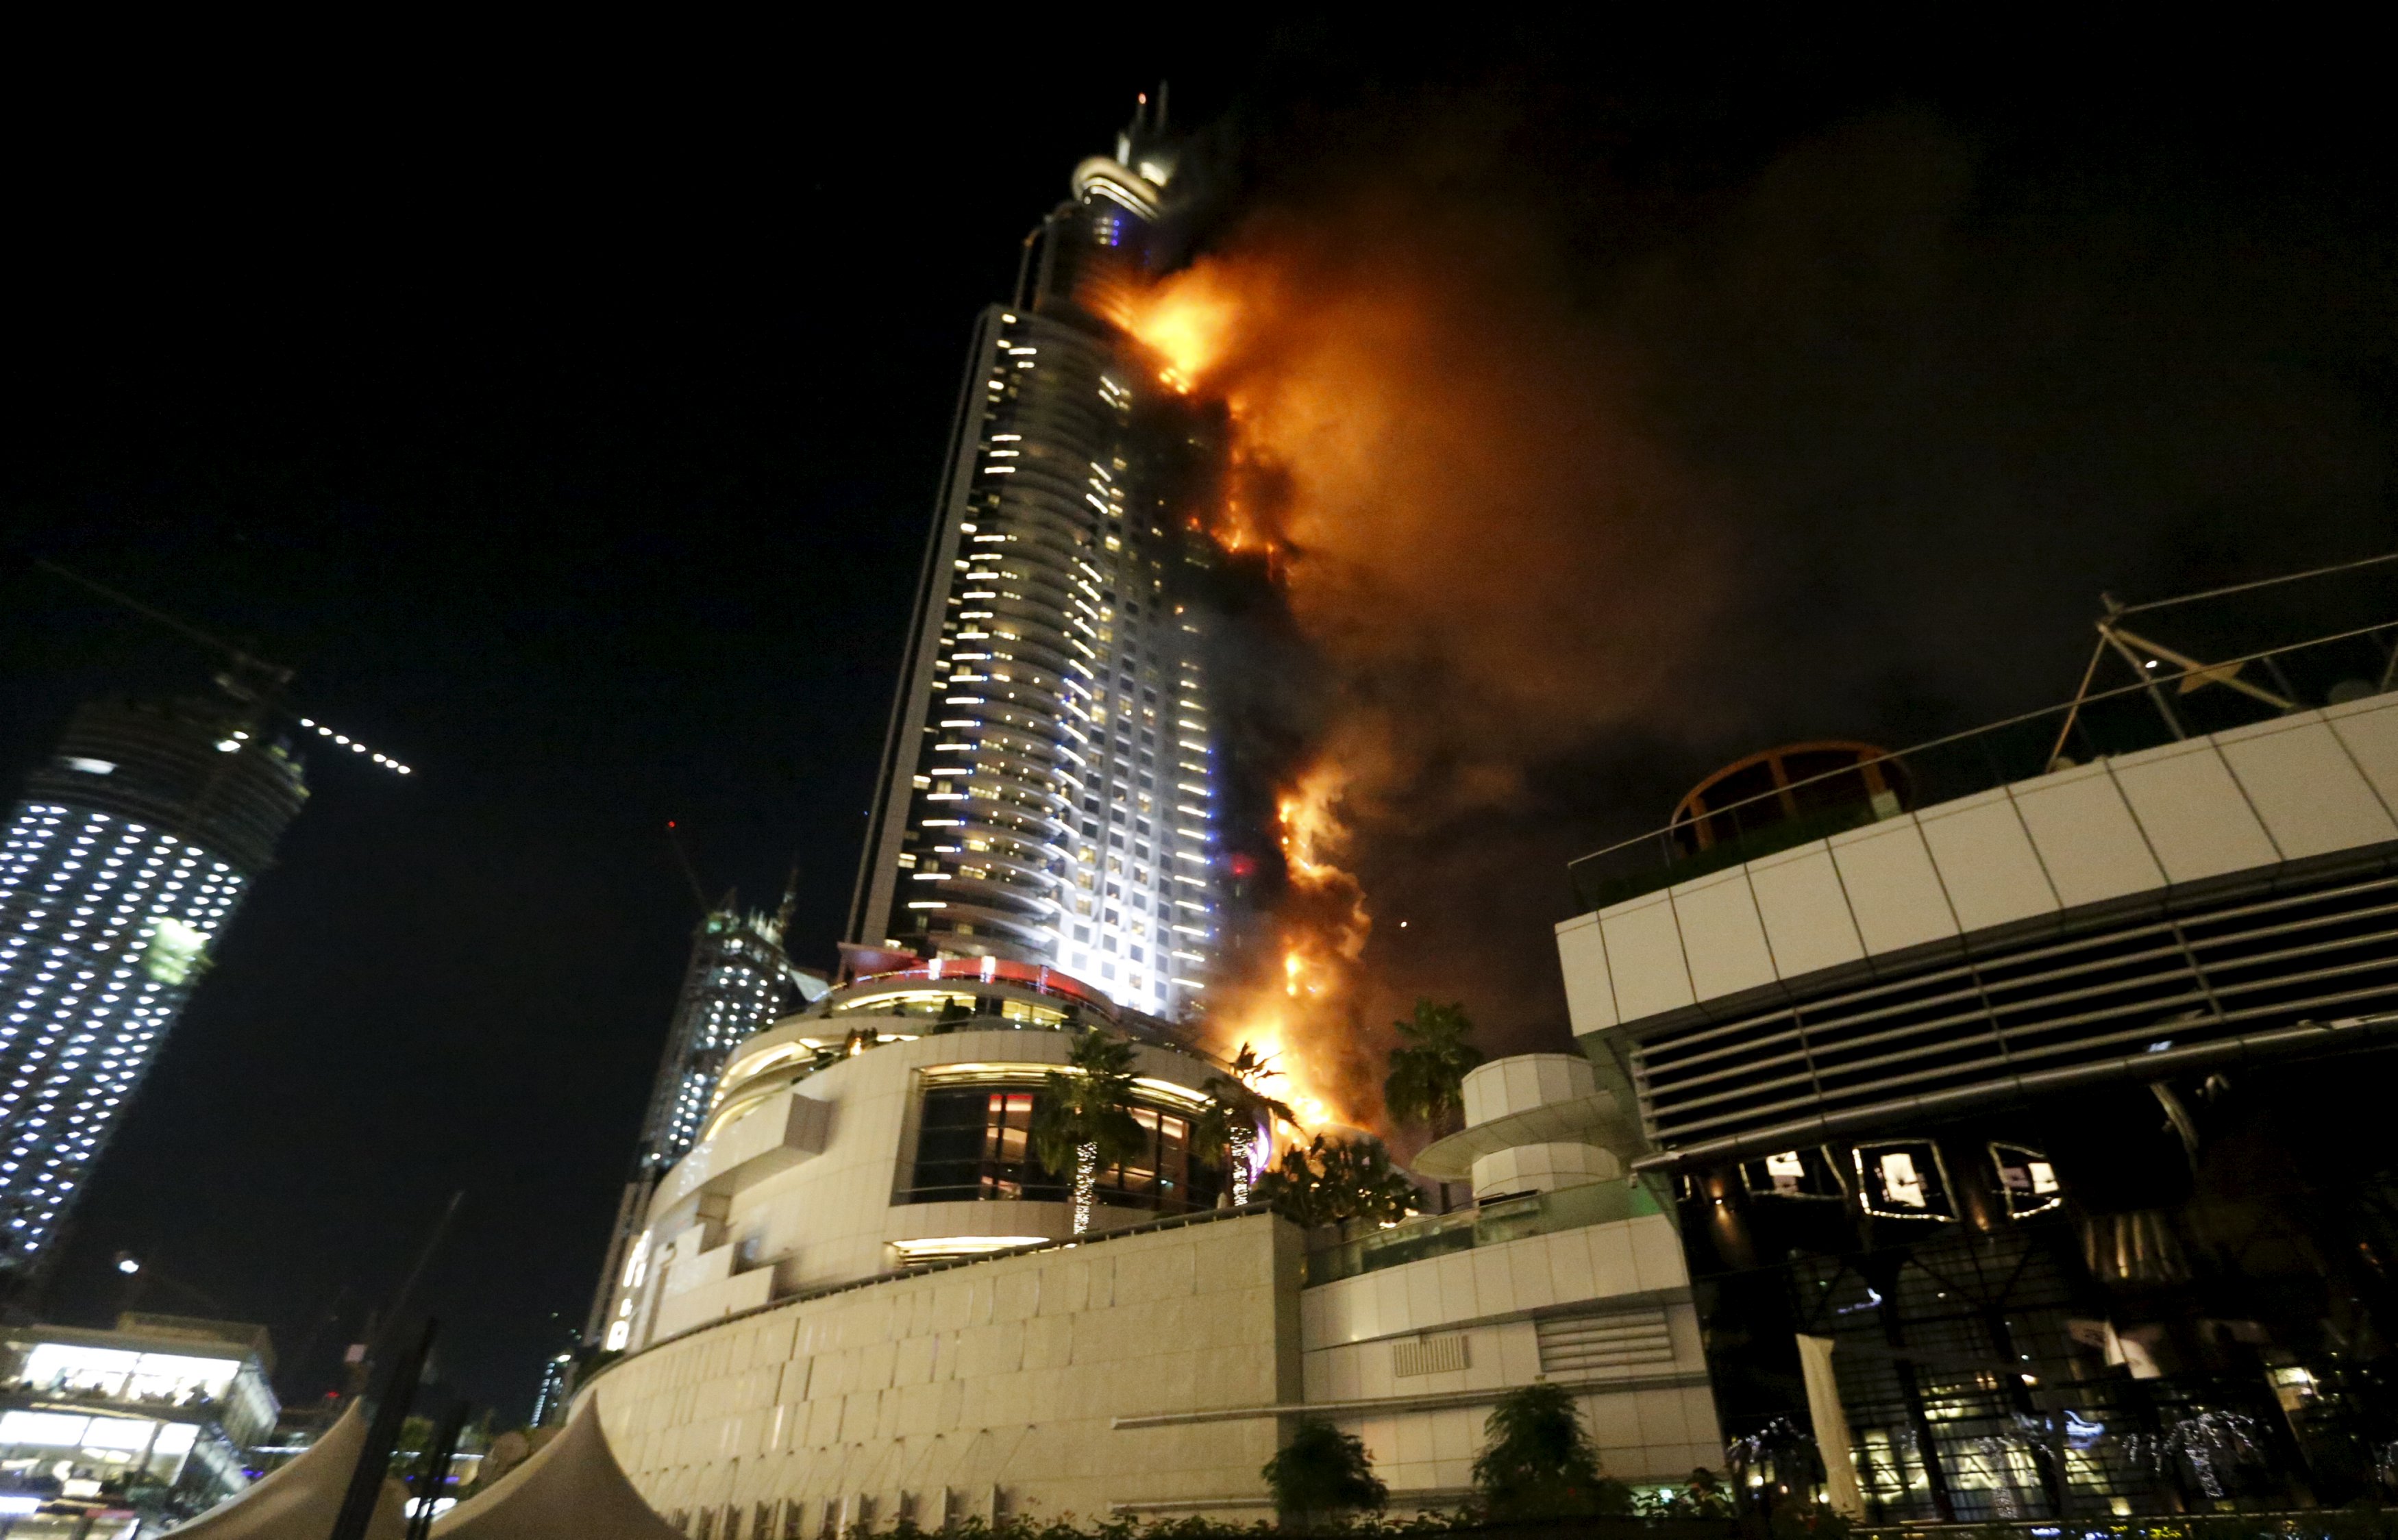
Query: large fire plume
[[1492, 563]]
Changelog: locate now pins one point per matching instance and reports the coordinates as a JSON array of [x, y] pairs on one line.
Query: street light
[[127, 1264]]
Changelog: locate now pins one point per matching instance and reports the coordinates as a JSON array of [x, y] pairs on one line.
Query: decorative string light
[[342, 740]]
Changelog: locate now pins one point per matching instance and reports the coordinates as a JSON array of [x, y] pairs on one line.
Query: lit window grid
[[726, 998], [1019, 747], [83, 895]]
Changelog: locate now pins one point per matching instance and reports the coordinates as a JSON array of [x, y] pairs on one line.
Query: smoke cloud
[[1577, 489], [1491, 559]]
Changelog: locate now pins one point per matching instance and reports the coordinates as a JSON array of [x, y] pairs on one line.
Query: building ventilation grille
[[2207, 973], [1427, 1355], [1620, 1339]]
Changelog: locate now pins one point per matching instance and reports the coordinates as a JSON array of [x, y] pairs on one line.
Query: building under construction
[[736, 986]]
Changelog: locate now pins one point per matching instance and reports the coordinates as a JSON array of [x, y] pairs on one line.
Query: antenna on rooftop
[[791, 899], [690, 873]]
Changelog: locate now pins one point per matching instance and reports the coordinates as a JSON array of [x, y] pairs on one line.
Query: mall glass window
[[1163, 1176], [976, 1143]]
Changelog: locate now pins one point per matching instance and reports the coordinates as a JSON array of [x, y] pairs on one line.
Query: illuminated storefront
[[160, 1414], [2029, 1141]]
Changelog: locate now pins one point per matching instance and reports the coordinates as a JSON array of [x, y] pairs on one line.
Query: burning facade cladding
[[126, 858], [1047, 788]]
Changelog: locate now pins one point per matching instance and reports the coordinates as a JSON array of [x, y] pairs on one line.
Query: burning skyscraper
[[1048, 788], [126, 859]]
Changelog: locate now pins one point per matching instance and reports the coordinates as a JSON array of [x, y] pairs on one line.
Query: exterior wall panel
[[1590, 995], [2310, 793], [1892, 889], [2088, 841], [2197, 819], [1644, 953], [1992, 875], [1004, 1375], [1806, 915], [1722, 935]]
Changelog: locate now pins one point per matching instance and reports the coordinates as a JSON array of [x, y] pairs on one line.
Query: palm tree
[[1427, 1079], [1322, 1475], [1334, 1181], [1223, 1133], [1540, 1463], [1084, 1121]]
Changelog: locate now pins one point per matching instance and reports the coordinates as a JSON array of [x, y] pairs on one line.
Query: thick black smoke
[[1630, 431]]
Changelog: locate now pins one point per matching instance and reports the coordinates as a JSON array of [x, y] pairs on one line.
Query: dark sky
[[572, 432]]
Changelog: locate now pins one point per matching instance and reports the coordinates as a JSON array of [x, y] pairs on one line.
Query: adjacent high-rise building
[[1048, 786], [126, 859], [735, 986]]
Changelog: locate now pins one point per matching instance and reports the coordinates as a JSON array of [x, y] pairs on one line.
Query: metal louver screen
[[2206, 973], [1621, 1339], [1427, 1355]]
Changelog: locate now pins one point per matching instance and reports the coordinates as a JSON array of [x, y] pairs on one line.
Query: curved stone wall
[[988, 1387]]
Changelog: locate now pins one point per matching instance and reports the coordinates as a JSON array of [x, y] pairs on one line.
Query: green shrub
[[1321, 1476], [1540, 1463]]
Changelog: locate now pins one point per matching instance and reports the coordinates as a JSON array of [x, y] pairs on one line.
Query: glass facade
[[117, 873], [1048, 790], [975, 1143], [164, 1423], [2158, 1285], [734, 987]]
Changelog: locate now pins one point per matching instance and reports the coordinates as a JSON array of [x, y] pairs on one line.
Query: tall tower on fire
[[128, 854], [1047, 790]]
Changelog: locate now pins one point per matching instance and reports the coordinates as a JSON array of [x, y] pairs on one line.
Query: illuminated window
[[976, 1143]]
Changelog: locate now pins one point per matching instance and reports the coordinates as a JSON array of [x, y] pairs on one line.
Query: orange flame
[[1445, 457], [1302, 1009], [1190, 329]]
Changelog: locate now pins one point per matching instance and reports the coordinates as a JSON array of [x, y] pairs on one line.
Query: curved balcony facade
[[889, 1127], [1048, 790]]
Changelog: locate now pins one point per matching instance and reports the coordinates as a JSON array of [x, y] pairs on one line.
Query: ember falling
[[1435, 464]]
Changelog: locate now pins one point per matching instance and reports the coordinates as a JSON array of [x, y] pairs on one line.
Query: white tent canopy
[[299, 1501], [571, 1489]]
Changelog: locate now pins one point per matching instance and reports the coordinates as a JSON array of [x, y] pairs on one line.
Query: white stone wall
[[1522, 1081], [998, 1382], [1542, 1168], [2305, 784], [1652, 1421], [827, 1214]]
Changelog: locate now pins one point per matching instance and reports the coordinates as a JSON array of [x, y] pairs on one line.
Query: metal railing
[[2171, 701], [1493, 1224]]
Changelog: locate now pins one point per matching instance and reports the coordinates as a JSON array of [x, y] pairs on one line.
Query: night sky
[[574, 432]]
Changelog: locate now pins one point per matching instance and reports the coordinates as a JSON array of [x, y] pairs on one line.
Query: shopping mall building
[[859, 1299], [164, 1414], [2027, 1097], [1996, 1129]]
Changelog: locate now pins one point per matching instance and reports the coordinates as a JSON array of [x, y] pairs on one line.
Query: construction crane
[[261, 685]]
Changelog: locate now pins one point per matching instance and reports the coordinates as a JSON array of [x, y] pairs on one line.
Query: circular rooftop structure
[[1832, 780]]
